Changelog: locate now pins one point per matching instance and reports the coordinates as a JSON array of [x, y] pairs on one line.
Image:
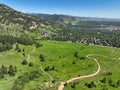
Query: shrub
[[24, 62], [30, 64], [11, 70], [118, 83], [42, 58]]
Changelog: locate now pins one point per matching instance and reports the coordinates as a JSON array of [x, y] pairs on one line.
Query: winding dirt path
[[29, 55], [61, 87]]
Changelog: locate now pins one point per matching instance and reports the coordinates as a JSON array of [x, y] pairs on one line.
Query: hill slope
[[59, 64], [9, 16]]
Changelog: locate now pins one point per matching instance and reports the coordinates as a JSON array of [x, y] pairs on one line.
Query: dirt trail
[[46, 73], [28, 58], [61, 87]]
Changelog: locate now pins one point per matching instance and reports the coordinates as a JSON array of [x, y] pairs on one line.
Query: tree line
[[6, 42], [4, 70], [88, 36]]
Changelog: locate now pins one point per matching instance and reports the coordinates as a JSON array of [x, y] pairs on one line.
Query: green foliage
[[59, 57], [104, 80], [17, 47], [31, 64], [104, 88], [6, 42], [12, 70], [91, 84], [24, 62], [1, 75], [75, 54], [3, 69], [118, 83], [27, 77], [42, 58], [38, 45], [110, 82], [73, 85], [48, 68], [5, 47], [73, 62], [34, 74], [88, 36]]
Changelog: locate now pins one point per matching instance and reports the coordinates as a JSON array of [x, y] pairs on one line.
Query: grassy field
[[60, 55]]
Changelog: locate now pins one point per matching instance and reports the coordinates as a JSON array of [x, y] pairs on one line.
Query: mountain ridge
[[10, 16], [63, 16]]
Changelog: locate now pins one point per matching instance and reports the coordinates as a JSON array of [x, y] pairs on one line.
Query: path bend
[[61, 87]]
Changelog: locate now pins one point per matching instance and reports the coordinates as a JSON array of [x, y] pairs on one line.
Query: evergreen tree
[[42, 58], [30, 64], [11, 71], [24, 62], [110, 82], [1, 75], [75, 54], [17, 47], [3, 69], [118, 83], [92, 85], [104, 80]]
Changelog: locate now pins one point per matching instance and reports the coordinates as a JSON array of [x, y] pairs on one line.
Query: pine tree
[[24, 62], [104, 80], [118, 83], [3, 69], [42, 58], [11, 71]]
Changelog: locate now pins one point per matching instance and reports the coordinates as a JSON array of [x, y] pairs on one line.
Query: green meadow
[[61, 65]]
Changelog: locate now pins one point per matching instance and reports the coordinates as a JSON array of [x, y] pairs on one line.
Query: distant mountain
[[87, 30], [9, 16], [67, 19], [56, 18]]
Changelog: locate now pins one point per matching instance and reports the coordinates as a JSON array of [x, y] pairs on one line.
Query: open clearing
[[60, 55]]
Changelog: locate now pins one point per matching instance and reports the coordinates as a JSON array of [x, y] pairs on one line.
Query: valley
[[58, 52]]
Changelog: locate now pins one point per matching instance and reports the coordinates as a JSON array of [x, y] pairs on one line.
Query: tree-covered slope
[[95, 31]]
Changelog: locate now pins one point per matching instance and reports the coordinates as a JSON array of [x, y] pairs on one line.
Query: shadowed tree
[[118, 83], [24, 62], [11, 70], [42, 58]]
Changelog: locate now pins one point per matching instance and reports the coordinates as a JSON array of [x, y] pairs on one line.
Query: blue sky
[[87, 8]]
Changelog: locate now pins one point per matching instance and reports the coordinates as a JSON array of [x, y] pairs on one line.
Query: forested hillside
[[17, 27], [88, 36], [32, 56], [93, 31]]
